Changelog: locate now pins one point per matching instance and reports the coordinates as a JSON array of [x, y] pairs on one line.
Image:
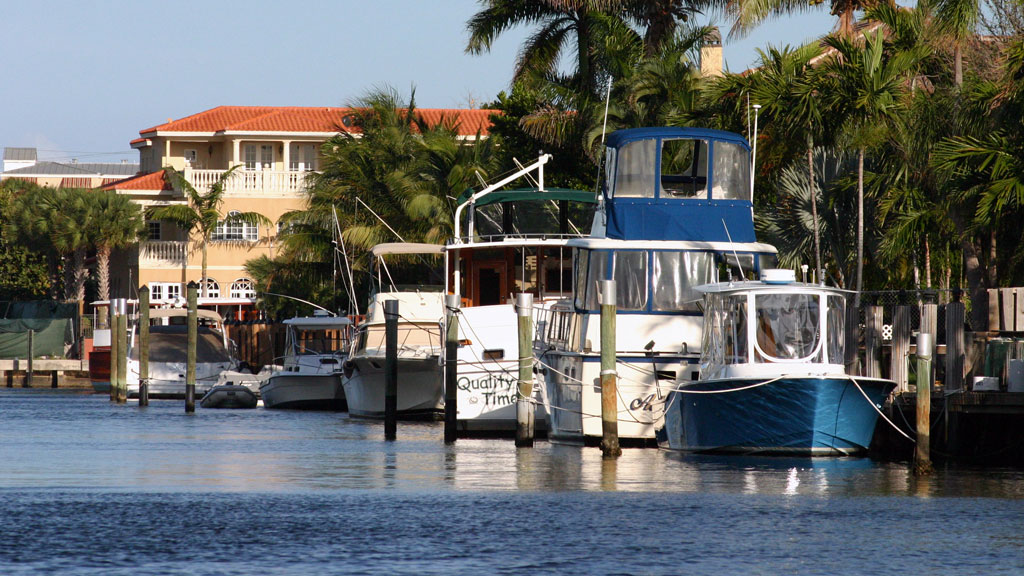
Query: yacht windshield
[[787, 326]]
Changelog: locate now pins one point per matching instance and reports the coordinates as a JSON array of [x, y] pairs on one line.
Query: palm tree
[[959, 19], [201, 215], [866, 86], [750, 13], [563, 24], [115, 222]]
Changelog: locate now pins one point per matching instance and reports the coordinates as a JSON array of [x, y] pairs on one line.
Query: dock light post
[[525, 412], [922, 456], [609, 414]]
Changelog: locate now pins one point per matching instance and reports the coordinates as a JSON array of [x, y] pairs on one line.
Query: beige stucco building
[[275, 149]]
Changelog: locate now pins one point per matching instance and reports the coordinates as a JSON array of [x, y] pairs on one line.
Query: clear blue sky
[[80, 79]]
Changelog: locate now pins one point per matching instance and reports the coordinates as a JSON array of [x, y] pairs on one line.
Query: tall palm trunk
[[958, 64], [860, 227], [103, 271], [814, 207], [927, 263], [202, 281]]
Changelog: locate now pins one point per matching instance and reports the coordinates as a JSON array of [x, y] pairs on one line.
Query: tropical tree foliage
[[201, 214]]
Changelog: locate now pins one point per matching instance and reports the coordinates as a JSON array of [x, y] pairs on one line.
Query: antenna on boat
[[604, 130], [317, 306], [350, 285], [753, 158], [733, 246]]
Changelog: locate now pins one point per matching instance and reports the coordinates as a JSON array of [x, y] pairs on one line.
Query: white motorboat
[[516, 242], [310, 377], [420, 392], [168, 348], [675, 212]]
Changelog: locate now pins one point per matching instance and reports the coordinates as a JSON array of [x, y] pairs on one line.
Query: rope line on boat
[[740, 389], [884, 417]]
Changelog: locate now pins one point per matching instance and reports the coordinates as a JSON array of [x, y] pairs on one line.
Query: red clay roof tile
[[305, 119], [151, 181]]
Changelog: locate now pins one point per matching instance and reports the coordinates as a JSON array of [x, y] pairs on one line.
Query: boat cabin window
[[731, 177], [737, 266], [629, 271], [318, 341], [684, 168], [597, 270], [634, 170], [411, 336], [674, 277], [788, 326], [725, 331], [836, 326]]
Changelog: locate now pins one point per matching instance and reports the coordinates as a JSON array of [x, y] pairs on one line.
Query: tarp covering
[[48, 339], [524, 194]]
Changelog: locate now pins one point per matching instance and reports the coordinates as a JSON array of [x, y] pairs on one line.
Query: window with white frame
[[259, 156], [302, 157], [164, 290], [243, 288], [229, 230], [212, 288]]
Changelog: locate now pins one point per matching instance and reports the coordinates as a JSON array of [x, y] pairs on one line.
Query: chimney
[[711, 54]]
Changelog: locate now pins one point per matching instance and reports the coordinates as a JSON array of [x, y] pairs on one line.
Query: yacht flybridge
[[674, 213]]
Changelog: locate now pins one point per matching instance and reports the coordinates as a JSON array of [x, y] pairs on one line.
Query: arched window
[[236, 230], [243, 288], [212, 288]]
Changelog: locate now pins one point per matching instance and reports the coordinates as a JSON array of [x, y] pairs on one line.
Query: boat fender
[[348, 367]]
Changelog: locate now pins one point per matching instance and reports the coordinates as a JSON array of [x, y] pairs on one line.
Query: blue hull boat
[[806, 415]]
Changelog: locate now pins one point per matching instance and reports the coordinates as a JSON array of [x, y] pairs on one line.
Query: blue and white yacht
[[675, 212], [771, 375]]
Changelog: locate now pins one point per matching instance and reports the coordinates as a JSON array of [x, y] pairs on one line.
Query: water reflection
[[61, 440]]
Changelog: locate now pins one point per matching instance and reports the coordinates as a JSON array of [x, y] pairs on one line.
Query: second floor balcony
[[255, 182], [157, 254]]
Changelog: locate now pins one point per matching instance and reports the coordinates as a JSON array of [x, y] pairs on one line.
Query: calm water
[[87, 487]]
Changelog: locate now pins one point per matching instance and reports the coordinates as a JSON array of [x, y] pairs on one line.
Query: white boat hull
[[167, 379], [288, 390], [572, 394], [488, 388], [420, 389]]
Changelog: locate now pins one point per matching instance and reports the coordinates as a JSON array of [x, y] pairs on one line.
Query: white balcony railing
[[163, 253], [249, 181]]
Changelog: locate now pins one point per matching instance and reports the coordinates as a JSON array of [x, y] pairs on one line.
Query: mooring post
[[524, 401], [55, 378], [113, 351], [190, 355], [121, 331], [390, 369], [31, 355], [451, 368], [609, 407], [10, 373], [144, 346], [922, 457]]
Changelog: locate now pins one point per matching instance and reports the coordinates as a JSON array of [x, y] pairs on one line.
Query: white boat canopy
[[406, 248], [318, 322]]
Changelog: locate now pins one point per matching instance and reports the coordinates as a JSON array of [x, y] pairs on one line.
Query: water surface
[[90, 487]]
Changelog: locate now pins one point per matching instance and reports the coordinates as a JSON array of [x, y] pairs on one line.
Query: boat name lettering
[[643, 403], [495, 390]]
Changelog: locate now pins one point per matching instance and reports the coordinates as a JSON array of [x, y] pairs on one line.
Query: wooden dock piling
[[922, 455], [609, 407], [113, 351], [390, 369], [451, 368], [524, 400], [190, 355], [121, 335], [144, 346], [31, 354]]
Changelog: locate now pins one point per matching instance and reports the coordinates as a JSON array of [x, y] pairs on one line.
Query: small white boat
[[420, 390], [229, 396], [310, 378], [168, 348]]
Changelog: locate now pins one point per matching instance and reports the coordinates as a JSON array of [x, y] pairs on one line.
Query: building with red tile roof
[[274, 147]]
